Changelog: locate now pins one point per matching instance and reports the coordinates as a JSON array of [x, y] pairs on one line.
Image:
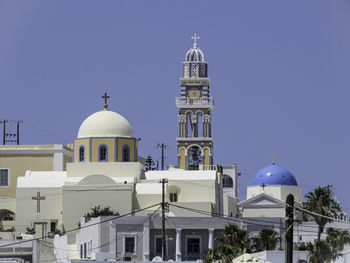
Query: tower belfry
[[195, 144]]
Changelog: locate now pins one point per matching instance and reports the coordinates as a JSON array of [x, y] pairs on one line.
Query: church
[[56, 186]]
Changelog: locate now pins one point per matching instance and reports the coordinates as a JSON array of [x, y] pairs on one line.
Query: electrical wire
[[104, 244], [81, 227]]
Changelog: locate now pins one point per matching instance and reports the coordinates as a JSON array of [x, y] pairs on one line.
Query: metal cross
[[105, 97], [273, 159], [38, 198], [195, 37], [263, 186]]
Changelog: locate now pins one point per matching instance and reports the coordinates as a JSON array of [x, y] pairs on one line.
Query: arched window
[[200, 125], [173, 197], [81, 154], [174, 193], [102, 153], [227, 181], [190, 125], [126, 153]]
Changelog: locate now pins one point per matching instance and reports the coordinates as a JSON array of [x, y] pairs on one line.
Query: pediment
[[261, 201]]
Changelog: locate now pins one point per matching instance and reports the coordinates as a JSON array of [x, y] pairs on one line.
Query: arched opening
[[103, 153], [200, 124], [7, 220], [190, 125], [227, 181], [174, 193], [81, 154], [126, 153], [194, 154]]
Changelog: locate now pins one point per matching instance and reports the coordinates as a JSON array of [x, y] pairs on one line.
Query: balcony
[[203, 102]]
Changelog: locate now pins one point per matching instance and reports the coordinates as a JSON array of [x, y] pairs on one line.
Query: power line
[[243, 220], [104, 244], [81, 227]]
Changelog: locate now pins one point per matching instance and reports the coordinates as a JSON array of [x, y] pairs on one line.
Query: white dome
[[195, 55], [105, 123]]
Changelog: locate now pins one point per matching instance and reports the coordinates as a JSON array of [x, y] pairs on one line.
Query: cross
[[38, 198], [263, 186], [105, 97], [273, 159], [195, 37]]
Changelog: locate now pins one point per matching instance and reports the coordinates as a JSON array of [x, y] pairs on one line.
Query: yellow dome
[[105, 123]]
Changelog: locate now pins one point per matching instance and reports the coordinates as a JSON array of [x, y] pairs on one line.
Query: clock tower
[[195, 144]]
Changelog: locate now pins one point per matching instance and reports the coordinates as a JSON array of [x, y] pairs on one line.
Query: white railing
[[185, 101], [207, 167]]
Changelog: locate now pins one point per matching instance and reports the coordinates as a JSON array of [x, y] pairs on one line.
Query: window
[[53, 226], [81, 250], [126, 153], [4, 177], [89, 248], [81, 154], [193, 250], [102, 153], [173, 197], [85, 250], [158, 246], [129, 245], [227, 181], [174, 193]]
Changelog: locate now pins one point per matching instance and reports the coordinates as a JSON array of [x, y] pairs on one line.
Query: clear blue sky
[[279, 74]]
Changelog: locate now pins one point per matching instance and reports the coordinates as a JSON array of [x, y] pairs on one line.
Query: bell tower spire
[[195, 142]]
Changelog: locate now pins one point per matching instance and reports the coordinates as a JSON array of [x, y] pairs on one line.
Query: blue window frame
[[126, 153], [103, 153], [81, 154]]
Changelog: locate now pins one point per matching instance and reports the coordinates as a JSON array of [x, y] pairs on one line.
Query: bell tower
[[195, 144]]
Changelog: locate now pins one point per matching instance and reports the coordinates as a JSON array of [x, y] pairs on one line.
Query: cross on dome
[[105, 97], [273, 159], [195, 37]]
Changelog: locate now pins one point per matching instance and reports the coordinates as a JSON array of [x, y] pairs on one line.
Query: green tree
[[337, 239], [234, 237], [319, 252], [98, 211], [267, 240], [322, 202], [210, 256], [149, 163], [232, 243]]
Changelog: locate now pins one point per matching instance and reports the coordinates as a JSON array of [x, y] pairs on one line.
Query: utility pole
[[4, 131], [289, 229], [163, 147], [164, 208], [18, 122]]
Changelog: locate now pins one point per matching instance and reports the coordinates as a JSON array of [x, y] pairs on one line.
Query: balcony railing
[[194, 102]]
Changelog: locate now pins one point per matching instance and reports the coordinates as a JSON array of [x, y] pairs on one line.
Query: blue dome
[[274, 175]]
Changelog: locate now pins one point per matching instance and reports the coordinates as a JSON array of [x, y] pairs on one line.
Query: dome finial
[[105, 97], [273, 159], [195, 37]]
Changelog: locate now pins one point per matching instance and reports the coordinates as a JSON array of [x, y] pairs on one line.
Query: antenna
[[10, 137]]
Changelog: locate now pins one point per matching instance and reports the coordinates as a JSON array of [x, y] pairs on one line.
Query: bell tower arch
[[195, 142]]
